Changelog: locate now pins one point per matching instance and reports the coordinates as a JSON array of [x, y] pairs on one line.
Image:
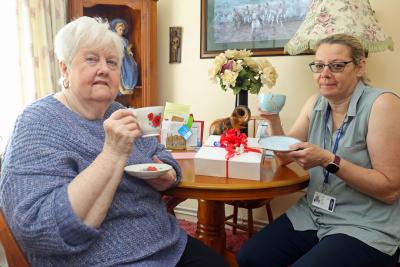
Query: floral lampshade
[[326, 17]]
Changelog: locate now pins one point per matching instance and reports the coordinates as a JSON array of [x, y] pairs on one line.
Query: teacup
[[272, 103], [149, 119]]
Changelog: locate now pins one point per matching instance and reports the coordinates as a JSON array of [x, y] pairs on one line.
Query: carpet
[[233, 242]]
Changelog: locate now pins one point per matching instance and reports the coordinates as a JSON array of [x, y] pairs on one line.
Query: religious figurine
[[129, 68], [175, 44]]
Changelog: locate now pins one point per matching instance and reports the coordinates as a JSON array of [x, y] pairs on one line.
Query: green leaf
[[236, 90], [222, 85], [243, 73], [252, 78], [254, 90]]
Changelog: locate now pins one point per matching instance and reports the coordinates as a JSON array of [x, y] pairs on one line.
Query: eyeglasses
[[334, 67]]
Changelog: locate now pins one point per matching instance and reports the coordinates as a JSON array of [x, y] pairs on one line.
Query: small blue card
[[185, 132]]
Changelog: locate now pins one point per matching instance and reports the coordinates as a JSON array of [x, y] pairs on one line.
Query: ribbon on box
[[235, 143]]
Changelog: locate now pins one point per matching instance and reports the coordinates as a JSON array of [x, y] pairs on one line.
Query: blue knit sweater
[[49, 147]]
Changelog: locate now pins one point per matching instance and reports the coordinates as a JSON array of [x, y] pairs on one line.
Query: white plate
[[140, 170], [278, 143]]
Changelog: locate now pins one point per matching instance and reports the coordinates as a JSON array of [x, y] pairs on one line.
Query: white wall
[[188, 81]]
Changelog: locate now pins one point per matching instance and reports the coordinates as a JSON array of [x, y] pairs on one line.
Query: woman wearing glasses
[[350, 135]]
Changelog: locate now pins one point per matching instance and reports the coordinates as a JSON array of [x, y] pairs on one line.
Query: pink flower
[[227, 66], [370, 33], [329, 29], [324, 17]]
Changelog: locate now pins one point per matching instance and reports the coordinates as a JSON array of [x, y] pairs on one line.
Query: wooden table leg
[[211, 224]]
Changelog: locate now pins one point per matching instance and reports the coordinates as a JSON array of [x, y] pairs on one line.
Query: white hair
[[85, 31]]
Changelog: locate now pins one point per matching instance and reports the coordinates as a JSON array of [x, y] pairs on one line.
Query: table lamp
[[327, 17]]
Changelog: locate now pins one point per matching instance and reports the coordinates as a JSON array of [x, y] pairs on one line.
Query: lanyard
[[336, 144]]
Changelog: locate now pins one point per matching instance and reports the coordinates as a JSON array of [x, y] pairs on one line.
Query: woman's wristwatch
[[334, 165]]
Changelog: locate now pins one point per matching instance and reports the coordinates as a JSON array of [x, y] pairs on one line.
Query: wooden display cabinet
[[141, 15]]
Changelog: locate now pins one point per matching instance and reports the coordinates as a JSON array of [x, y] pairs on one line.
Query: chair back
[[15, 256]]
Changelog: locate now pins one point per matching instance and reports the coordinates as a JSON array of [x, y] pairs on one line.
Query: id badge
[[324, 202]]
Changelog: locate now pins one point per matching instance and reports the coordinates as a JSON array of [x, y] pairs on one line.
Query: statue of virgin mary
[[129, 68]]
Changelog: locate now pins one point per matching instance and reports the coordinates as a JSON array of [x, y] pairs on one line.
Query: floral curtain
[[38, 23]]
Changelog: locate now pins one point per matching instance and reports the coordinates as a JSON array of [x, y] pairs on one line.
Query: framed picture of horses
[[263, 26]]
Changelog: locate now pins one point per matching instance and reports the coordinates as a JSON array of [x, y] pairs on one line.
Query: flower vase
[[242, 100]]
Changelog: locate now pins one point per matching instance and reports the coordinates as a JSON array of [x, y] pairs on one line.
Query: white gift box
[[211, 161], [251, 142]]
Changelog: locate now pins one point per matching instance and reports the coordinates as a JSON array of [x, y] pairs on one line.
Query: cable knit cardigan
[[49, 147]]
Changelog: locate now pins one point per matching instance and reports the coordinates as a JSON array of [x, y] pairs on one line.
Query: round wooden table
[[212, 191]]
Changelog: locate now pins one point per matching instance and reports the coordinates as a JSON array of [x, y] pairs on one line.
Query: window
[[11, 95]]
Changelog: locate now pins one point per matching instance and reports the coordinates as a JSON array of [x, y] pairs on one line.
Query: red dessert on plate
[[151, 168]]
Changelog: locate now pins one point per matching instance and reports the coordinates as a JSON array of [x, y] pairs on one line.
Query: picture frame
[[262, 26], [171, 138], [175, 44], [198, 133]]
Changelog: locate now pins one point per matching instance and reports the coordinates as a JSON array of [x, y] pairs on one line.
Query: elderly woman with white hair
[[63, 188]]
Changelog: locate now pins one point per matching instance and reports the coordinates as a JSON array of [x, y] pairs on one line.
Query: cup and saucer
[[273, 103], [150, 121]]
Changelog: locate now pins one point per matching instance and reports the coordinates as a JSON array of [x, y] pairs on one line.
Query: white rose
[[213, 71], [263, 63], [251, 63], [241, 54], [230, 53], [219, 61], [229, 78], [237, 66]]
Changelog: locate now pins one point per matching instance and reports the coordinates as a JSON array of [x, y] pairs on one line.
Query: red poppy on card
[[156, 121], [150, 116]]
